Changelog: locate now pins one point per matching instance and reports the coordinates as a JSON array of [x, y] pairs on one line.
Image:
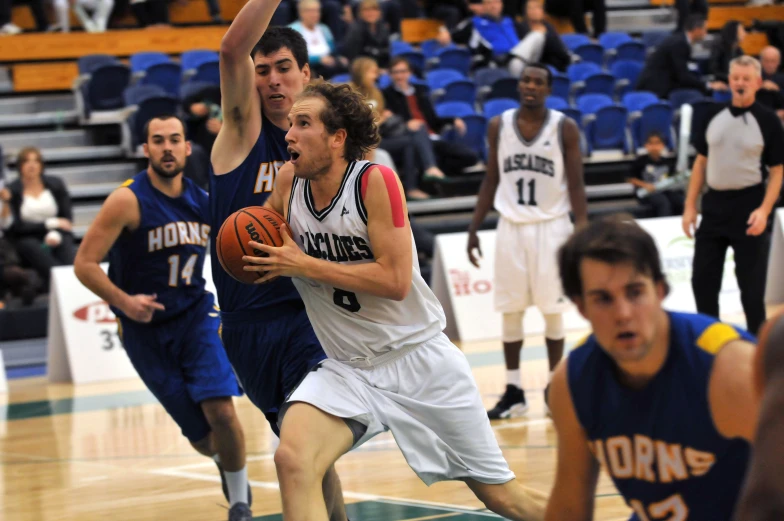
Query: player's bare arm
[[389, 231], [577, 472], [281, 190], [761, 498], [573, 163], [486, 192], [758, 220], [239, 99], [120, 211], [733, 405], [695, 188]]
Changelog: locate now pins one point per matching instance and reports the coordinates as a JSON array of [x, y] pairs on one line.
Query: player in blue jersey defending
[[266, 331], [155, 230], [662, 400]]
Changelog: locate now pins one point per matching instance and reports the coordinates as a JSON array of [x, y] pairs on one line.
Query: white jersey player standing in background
[[534, 177], [390, 366]]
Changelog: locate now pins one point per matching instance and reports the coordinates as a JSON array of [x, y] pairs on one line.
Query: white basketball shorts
[[428, 399], [526, 265]]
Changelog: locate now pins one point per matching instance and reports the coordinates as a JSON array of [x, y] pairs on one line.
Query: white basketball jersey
[[532, 182], [356, 325]]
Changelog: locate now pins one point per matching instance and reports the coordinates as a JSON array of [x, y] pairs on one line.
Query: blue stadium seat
[[599, 83], [561, 86], [658, 117], [141, 61], [634, 51], [208, 72], [431, 47], [166, 75], [626, 73], [575, 114], [190, 60], [475, 136], [208, 90], [556, 103], [399, 47], [722, 96], [606, 130], [440, 78], [574, 40], [651, 39], [577, 72], [416, 59], [486, 76], [495, 107], [504, 88], [591, 103], [454, 58], [680, 96], [340, 78], [611, 40], [104, 90], [384, 81], [87, 64], [454, 109], [638, 100], [135, 94], [460, 90], [590, 52]]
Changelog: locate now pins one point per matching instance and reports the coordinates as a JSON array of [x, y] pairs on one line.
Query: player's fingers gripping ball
[[254, 223]]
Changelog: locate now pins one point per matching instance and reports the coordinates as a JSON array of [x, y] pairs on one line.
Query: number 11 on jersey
[[521, 185]]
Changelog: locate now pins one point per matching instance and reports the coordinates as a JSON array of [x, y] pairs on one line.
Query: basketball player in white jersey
[[390, 366], [534, 177]]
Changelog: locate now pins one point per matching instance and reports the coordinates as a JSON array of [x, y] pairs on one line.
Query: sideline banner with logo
[[466, 293], [83, 344], [774, 289]]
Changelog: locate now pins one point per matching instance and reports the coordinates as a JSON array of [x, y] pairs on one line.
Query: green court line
[[389, 511]]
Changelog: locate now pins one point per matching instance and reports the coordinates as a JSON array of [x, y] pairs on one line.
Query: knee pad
[[513, 327], [553, 326]]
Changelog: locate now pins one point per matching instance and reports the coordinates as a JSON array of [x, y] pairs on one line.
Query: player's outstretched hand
[[286, 260], [140, 308], [473, 244]]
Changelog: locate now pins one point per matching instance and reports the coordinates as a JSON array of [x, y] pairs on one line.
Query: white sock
[[238, 486], [513, 378]]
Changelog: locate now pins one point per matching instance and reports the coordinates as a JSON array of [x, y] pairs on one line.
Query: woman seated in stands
[[726, 46], [322, 51], [409, 148], [42, 217]]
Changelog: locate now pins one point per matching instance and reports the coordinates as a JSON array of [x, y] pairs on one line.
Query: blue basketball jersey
[[165, 254], [659, 444], [250, 184]]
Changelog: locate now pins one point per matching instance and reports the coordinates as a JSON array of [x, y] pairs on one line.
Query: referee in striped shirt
[[740, 148]]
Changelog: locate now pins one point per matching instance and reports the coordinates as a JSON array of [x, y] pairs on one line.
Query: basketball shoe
[[240, 512], [511, 404]]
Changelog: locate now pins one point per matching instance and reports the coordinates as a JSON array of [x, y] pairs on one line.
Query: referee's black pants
[[723, 225]]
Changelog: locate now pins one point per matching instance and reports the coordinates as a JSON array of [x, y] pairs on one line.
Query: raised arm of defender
[[120, 211], [240, 102], [389, 231]]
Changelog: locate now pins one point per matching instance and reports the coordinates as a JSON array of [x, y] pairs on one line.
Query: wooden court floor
[[102, 451], [110, 451]]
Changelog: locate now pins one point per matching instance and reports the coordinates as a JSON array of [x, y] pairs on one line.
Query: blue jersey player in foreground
[[155, 230], [266, 331], [662, 400]]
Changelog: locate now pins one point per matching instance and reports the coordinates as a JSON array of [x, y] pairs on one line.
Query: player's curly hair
[[346, 109], [614, 240]]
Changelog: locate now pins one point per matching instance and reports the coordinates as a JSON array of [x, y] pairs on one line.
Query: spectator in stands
[[554, 52], [42, 216], [577, 10], [448, 11], [37, 8], [322, 51], [21, 282], [412, 103], [667, 68], [687, 8], [97, 22], [771, 94], [409, 148], [151, 13], [725, 48], [651, 168], [368, 35]]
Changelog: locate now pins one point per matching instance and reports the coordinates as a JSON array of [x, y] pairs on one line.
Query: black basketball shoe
[[511, 404]]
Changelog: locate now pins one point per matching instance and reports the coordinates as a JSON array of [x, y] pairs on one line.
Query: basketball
[[254, 223]]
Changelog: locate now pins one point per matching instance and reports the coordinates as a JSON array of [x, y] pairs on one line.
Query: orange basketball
[[254, 223]]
